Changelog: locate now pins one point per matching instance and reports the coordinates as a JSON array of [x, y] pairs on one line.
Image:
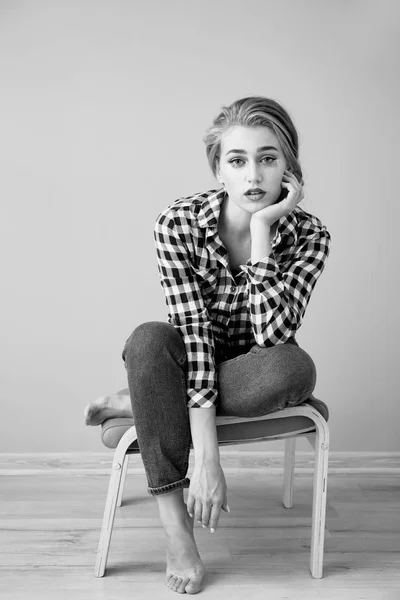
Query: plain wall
[[103, 107]]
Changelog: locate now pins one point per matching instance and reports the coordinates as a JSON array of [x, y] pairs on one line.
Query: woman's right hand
[[207, 494]]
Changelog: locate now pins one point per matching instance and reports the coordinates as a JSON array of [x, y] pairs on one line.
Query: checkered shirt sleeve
[[278, 297], [187, 312]]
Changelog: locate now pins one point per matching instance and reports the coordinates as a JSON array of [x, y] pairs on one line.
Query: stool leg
[[319, 505], [123, 478], [288, 476], [108, 518]]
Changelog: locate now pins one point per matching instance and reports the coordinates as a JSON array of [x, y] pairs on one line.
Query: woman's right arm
[[188, 313], [204, 435]]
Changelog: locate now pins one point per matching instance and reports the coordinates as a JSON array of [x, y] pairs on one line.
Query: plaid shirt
[[266, 303]]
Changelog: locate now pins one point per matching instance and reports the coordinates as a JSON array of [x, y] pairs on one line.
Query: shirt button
[[233, 288]]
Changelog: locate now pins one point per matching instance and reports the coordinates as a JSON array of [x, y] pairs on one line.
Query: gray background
[[103, 106]]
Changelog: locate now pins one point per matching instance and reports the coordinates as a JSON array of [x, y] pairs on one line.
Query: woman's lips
[[257, 196]]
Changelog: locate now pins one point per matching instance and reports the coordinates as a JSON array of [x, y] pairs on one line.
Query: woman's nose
[[253, 174]]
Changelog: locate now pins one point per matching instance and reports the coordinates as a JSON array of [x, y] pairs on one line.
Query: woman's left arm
[[278, 299]]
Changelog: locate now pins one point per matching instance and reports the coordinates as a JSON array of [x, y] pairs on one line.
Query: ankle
[[171, 500], [172, 508]]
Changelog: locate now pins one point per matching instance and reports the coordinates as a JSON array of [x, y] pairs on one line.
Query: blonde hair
[[254, 111]]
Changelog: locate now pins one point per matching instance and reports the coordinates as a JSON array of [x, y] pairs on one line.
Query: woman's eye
[[269, 159], [235, 160]]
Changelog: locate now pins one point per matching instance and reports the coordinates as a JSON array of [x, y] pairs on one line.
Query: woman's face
[[251, 157]]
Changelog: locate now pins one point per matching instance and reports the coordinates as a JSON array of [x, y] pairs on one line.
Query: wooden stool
[[308, 419]]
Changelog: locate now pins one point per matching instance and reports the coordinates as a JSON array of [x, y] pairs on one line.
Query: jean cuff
[[182, 483]]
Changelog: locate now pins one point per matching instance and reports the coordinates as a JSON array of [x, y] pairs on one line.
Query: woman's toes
[[95, 412], [195, 583], [89, 415], [182, 585], [171, 583], [178, 582]]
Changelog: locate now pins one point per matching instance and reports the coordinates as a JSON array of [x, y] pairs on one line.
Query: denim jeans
[[252, 381]]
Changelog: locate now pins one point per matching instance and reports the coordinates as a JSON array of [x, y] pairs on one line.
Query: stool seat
[[230, 430]]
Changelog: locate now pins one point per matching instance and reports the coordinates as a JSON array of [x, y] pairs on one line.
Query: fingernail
[[190, 515], [203, 526], [228, 509], [212, 530]]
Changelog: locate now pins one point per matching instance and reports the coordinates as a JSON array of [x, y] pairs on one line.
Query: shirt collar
[[208, 216]]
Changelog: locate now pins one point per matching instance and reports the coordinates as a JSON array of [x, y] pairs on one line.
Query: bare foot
[[185, 569], [108, 407]]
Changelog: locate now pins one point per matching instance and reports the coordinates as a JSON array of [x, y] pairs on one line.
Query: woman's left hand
[[274, 212]]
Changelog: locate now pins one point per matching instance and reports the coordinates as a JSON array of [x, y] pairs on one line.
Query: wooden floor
[[51, 511]]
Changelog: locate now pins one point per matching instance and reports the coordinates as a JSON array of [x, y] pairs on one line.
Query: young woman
[[237, 266]]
